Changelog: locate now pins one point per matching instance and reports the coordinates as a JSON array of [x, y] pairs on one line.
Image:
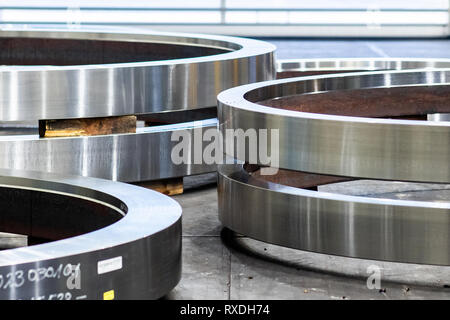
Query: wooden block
[[86, 126], [169, 187]]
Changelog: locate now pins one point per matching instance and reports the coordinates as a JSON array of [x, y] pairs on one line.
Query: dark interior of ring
[[412, 103], [60, 52], [51, 216], [178, 116], [294, 179]]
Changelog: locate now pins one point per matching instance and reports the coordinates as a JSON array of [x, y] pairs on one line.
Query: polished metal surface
[[352, 226], [51, 73], [347, 125], [297, 67], [109, 240], [345, 145], [144, 155], [68, 73]]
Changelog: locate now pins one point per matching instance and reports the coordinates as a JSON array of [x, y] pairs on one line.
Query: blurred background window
[[319, 18]]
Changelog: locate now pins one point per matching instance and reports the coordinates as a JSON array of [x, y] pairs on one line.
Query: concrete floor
[[222, 265]]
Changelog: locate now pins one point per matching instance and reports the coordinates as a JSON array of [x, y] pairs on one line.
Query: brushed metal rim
[[152, 220], [131, 157], [351, 226], [102, 90], [345, 145], [358, 64]]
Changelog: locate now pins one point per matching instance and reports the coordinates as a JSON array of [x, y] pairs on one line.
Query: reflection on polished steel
[[349, 137], [108, 240], [58, 74], [360, 227], [358, 125], [145, 155], [287, 68], [51, 73]]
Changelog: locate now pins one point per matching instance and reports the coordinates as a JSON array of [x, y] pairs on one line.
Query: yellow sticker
[[108, 295]]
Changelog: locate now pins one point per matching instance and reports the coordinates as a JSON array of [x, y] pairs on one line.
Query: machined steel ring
[[169, 78], [289, 68], [336, 124], [344, 122], [109, 240], [128, 157], [67, 73], [276, 210]]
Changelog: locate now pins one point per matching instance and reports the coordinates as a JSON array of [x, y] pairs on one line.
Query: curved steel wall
[[102, 85], [343, 145], [345, 141], [110, 240], [102, 73]]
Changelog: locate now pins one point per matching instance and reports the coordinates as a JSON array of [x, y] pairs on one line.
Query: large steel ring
[[282, 213], [348, 129], [63, 73], [110, 240], [129, 157], [324, 125], [58, 73]]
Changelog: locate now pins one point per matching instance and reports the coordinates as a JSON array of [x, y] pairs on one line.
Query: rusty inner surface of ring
[[63, 52], [296, 179], [412, 103]]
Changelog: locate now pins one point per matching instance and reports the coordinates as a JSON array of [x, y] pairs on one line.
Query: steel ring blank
[[131, 157], [54, 73], [60, 73], [279, 209], [335, 135], [112, 240], [359, 227]]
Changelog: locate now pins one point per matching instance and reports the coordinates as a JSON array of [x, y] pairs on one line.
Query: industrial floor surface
[[222, 265]]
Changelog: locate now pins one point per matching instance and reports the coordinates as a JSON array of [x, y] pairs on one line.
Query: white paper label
[[109, 265]]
